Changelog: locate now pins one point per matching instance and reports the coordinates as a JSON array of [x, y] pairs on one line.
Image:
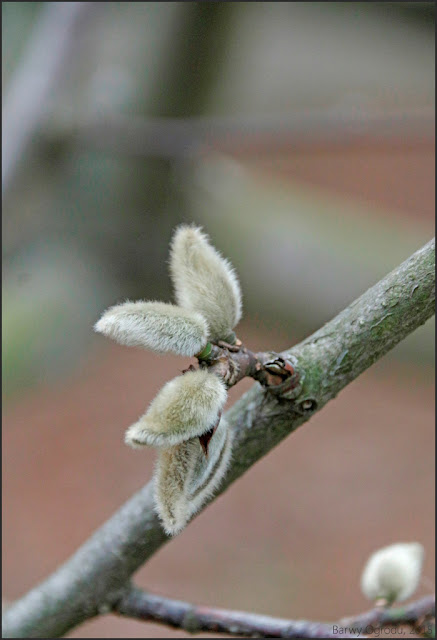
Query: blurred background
[[301, 137]]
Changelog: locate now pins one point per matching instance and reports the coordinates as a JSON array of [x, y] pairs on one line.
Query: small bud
[[392, 573], [158, 326], [185, 478], [186, 407], [204, 281]]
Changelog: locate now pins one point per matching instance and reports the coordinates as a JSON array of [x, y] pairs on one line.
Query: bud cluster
[[184, 420]]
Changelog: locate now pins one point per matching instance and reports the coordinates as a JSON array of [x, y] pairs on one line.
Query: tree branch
[[96, 575], [196, 619]]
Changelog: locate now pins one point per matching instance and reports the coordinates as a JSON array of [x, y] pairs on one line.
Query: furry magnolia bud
[[185, 478], [186, 407], [205, 281], [157, 326], [393, 573]]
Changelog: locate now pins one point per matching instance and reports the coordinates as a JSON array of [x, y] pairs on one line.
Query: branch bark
[[95, 577], [196, 619]]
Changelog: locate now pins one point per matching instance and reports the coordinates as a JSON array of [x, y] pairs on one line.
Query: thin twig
[[96, 575], [196, 619]]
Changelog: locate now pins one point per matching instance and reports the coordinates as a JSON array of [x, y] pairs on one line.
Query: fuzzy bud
[[204, 281], [185, 478], [186, 407], [393, 573], [158, 326]]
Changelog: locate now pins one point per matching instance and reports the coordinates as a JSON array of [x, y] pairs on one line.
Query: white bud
[[205, 281], [157, 326], [185, 478], [393, 573], [185, 407]]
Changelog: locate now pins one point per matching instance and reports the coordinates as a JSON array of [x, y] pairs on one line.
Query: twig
[[278, 375], [33, 83], [196, 619], [96, 575]]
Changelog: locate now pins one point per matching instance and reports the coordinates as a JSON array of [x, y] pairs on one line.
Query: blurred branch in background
[[187, 137], [27, 102]]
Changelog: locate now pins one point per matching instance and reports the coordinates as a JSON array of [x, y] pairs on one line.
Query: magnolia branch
[[95, 577], [196, 619]]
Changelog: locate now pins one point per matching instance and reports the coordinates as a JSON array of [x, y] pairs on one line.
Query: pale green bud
[[158, 326], [204, 281], [185, 478], [186, 407], [393, 573]]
